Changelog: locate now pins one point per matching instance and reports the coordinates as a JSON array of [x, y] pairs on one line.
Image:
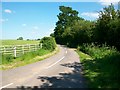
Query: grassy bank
[[18, 42], [9, 62], [100, 66]]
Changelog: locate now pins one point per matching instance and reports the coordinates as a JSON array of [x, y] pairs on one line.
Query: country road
[[62, 70]]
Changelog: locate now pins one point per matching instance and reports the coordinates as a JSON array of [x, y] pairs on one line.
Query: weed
[[101, 69]]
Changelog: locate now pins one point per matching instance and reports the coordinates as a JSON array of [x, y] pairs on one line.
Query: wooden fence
[[18, 50]]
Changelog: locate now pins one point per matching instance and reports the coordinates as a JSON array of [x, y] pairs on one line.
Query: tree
[[71, 29], [38, 39], [52, 34], [108, 27], [66, 19], [20, 38], [82, 32]]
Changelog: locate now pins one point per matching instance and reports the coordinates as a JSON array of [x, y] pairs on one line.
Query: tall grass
[[9, 62], [6, 59], [102, 69], [48, 48]]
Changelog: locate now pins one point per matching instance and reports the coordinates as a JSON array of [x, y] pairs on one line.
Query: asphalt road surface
[[62, 70]]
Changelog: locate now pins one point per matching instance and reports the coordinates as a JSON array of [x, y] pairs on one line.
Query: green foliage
[[100, 66], [20, 38], [97, 51], [83, 32], [64, 27], [31, 55], [72, 30], [83, 55], [6, 59], [107, 28], [52, 34], [48, 43]]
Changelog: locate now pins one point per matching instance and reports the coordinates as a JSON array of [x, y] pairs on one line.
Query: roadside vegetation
[[100, 66], [73, 30], [48, 43], [30, 57], [97, 41]]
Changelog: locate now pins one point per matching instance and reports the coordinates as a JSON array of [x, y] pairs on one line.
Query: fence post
[[36, 46], [40, 45], [29, 48], [4, 50], [15, 51], [1, 50], [23, 49]]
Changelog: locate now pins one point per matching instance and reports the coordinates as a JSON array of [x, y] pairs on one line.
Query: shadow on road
[[73, 79]]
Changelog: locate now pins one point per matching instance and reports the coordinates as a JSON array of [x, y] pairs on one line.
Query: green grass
[[9, 62], [100, 66], [83, 55], [18, 42]]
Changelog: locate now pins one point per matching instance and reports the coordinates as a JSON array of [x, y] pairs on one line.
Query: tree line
[[73, 30]]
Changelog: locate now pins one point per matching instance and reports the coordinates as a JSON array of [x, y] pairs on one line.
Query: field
[[17, 53], [9, 62], [18, 47], [18, 42]]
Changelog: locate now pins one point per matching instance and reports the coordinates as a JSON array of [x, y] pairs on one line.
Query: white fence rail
[[18, 50]]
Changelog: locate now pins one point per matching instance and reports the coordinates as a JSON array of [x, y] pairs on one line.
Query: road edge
[[34, 60]]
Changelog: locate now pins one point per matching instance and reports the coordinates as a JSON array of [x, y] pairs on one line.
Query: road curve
[[62, 70]]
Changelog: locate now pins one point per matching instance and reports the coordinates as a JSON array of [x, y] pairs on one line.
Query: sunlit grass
[[18, 42], [9, 62], [100, 66]]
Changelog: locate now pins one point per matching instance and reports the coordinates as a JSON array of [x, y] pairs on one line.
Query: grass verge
[[28, 58], [100, 66]]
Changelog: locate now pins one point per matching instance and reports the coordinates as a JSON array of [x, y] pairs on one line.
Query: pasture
[[16, 54], [18, 42], [18, 47]]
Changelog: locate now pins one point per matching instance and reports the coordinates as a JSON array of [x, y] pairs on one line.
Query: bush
[[7, 59], [101, 70], [97, 51], [48, 43]]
